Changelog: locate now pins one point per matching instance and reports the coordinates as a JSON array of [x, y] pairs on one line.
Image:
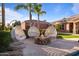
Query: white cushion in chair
[[51, 32], [33, 32], [18, 33]]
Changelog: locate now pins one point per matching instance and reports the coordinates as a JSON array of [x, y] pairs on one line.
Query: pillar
[[74, 28], [67, 27]]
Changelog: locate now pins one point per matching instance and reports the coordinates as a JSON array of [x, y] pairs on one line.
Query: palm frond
[[37, 8], [21, 6], [43, 12]]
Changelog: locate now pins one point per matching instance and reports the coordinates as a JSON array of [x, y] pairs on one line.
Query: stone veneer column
[[74, 28]]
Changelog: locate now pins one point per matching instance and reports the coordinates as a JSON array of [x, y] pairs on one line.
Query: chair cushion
[[18, 33], [51, 32], [33, 32]]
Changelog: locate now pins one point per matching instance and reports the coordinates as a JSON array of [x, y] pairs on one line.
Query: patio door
[[71, 27]]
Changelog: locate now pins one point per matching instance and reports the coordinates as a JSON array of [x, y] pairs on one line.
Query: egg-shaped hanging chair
[[17, 33], [33, 32], [51, 32]]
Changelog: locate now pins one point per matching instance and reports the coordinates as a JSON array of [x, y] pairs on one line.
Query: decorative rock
[[33, 32], [51, 32]]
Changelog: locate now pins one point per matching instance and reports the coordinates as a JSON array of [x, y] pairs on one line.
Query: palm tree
[[3, 16], [28, 6], [38, 11]]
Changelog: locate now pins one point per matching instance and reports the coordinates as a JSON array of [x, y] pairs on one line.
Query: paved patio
[[57, 47]]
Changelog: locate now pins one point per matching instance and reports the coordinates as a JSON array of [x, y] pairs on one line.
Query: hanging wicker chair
[[17, 34], [51, 32], [33, 32]]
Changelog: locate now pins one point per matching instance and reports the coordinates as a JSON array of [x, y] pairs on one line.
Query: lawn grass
[[67, 36]]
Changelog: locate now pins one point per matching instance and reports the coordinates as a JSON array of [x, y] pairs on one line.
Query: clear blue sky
[[54, 11]]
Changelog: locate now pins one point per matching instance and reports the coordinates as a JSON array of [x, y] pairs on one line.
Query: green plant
[[0, 27], [16, 23], [38, 10], [5, 28], [26, 6], [58, 27], [5, 40]]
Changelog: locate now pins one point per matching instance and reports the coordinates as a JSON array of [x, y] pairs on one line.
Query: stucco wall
[[67, 27], [23, 25]]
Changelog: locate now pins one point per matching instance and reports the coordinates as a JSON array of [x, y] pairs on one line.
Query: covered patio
[[73, 26]]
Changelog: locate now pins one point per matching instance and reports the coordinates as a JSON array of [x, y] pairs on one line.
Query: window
[[62, 26]]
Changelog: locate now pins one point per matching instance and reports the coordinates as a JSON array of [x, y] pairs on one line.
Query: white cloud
[[14, 15], [27, 18], [75, 8]]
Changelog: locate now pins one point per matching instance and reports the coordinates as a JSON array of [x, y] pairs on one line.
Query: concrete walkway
[[55, 48], [72, 39]]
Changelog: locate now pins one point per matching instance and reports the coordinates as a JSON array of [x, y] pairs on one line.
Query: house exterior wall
[[42, 24], [65, 27], [74, 28], [70, 26], [77, 27]]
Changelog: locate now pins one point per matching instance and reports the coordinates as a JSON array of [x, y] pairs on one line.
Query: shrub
[[0, 27], [5, 40], [58, 27], [16, 23], [5, 29]]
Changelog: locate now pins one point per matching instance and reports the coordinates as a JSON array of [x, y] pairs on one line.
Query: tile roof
[[69, 19]]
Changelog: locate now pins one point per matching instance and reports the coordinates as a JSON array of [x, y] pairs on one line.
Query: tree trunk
[[38, 21], [30, 16], [3, 16]]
